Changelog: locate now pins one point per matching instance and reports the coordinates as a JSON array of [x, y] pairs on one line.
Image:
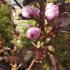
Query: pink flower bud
[[51, 11], [49, 5], [29, 12], [35, 12], [26, 11], [33, 33]]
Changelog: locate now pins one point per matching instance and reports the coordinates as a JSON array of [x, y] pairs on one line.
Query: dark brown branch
[[42, 13]]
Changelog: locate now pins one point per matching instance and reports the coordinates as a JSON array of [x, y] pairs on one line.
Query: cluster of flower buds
[[51, 11]]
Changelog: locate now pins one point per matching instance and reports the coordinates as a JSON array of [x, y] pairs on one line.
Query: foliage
[[5, 23]]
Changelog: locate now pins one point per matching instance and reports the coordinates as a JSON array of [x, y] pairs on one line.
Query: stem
[[31, 64], [33, 43], [42, 15], [53, 62], [18, 3]]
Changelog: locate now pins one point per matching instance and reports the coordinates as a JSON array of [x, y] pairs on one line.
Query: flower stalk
[[42, 15]]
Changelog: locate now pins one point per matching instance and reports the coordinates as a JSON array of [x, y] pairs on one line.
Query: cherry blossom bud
[[33, 33], [35, 12], [26, 11], [51, 11], [30, 12]]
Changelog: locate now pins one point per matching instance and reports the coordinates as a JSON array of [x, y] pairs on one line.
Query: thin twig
[[53, 62], [31, 64], [33, 43]]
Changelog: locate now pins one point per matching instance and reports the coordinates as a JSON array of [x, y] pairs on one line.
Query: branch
[[18, 3], [33, 43], [53, 62], [42, 14], [31, 64]]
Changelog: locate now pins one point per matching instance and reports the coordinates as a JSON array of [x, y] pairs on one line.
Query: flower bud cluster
[[51, 12]]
